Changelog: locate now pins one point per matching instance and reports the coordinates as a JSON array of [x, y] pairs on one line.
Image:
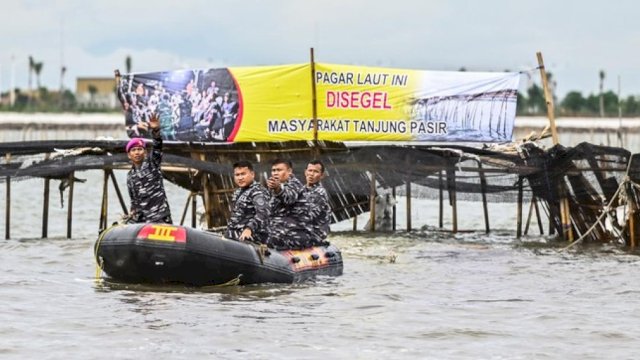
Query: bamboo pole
[[7, 205], [117, 188], [485, 206], [565, 216], [441, 202], [194, 205], [454, 204], [45, 205], [186, 208], [519, 210], [527, 224], [567, 232], [408, 191], [45, 208], [535, 206], [632, 214], [70, 204], [105, 200], [207, 197], [393, 193], [355, 223], [7, 215], [552, 227], [372, 203], [314, 104], [529, 216], [548, 99]]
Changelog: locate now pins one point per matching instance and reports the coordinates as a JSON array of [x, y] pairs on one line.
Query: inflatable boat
[[162, 253]]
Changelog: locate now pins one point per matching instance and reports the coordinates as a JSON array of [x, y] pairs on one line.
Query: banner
[[218, 105], [275, 103], [370, 104]]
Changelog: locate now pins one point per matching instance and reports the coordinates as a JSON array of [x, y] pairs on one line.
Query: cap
[[135, 142]]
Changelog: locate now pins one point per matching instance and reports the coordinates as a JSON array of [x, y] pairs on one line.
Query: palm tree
[[31, 63], [127, 64], [37, 68], [601, 93], [63, 70]]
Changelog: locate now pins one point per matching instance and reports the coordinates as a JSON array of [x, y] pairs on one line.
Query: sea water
[[424, 294]]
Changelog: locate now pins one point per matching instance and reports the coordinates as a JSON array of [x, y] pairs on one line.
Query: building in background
[[96, 92]]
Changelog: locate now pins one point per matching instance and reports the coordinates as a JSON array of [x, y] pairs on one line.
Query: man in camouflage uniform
[[144, 180], [250, 215], [289, 211], [318, 202]]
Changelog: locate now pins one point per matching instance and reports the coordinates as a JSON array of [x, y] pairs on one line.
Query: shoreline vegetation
[[531, 102]]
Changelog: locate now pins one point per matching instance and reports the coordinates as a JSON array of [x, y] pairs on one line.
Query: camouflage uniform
[[146, 190], [320, 213], [250, 210], [289, 220]]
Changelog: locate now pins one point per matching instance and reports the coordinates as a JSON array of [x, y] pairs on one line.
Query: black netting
[[587, 175]]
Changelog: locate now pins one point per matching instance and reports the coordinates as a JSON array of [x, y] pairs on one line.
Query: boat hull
[[161, 253]]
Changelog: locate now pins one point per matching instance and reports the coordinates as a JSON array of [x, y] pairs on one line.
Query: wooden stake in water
[[485, 208], [70, 204], [372, 203], [45, 209], [440, 204], [408, 196], [105, 201], [567, 231]]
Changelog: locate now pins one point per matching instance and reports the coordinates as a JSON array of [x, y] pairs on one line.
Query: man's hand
[[246, 235], [154, 122], [274, 184]]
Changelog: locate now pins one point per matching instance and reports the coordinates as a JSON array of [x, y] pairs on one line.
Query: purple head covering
[[135, 142]]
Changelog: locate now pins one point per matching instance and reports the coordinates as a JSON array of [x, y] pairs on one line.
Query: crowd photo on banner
[[192, 105]]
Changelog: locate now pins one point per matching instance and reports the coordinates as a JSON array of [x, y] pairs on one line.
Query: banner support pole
[[565, 214], [548, 99], [314, 102]]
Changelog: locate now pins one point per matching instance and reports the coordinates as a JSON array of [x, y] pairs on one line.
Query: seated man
[[289, 211], [250, 214], [318, 202]]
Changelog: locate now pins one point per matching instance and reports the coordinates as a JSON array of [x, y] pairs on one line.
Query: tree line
[[574, 103], [42, 99], [530, 103]]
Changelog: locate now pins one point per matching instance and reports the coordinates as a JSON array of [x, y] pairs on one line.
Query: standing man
[[250, 215], [289, 211], [318, 202], [144, 180]]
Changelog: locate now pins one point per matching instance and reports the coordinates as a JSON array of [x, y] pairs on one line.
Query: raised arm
[[156, 152]]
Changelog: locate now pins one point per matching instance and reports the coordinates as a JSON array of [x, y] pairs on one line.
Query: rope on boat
[[99, 262], [233, 282], [607, 208], [262, 252]]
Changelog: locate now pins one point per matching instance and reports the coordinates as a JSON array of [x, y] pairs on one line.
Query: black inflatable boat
[[161, 253]]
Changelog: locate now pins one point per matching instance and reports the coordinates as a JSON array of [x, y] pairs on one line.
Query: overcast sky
[[92, 38]]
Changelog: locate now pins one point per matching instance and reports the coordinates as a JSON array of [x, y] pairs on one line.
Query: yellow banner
[[275, 103], [363, 103]]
